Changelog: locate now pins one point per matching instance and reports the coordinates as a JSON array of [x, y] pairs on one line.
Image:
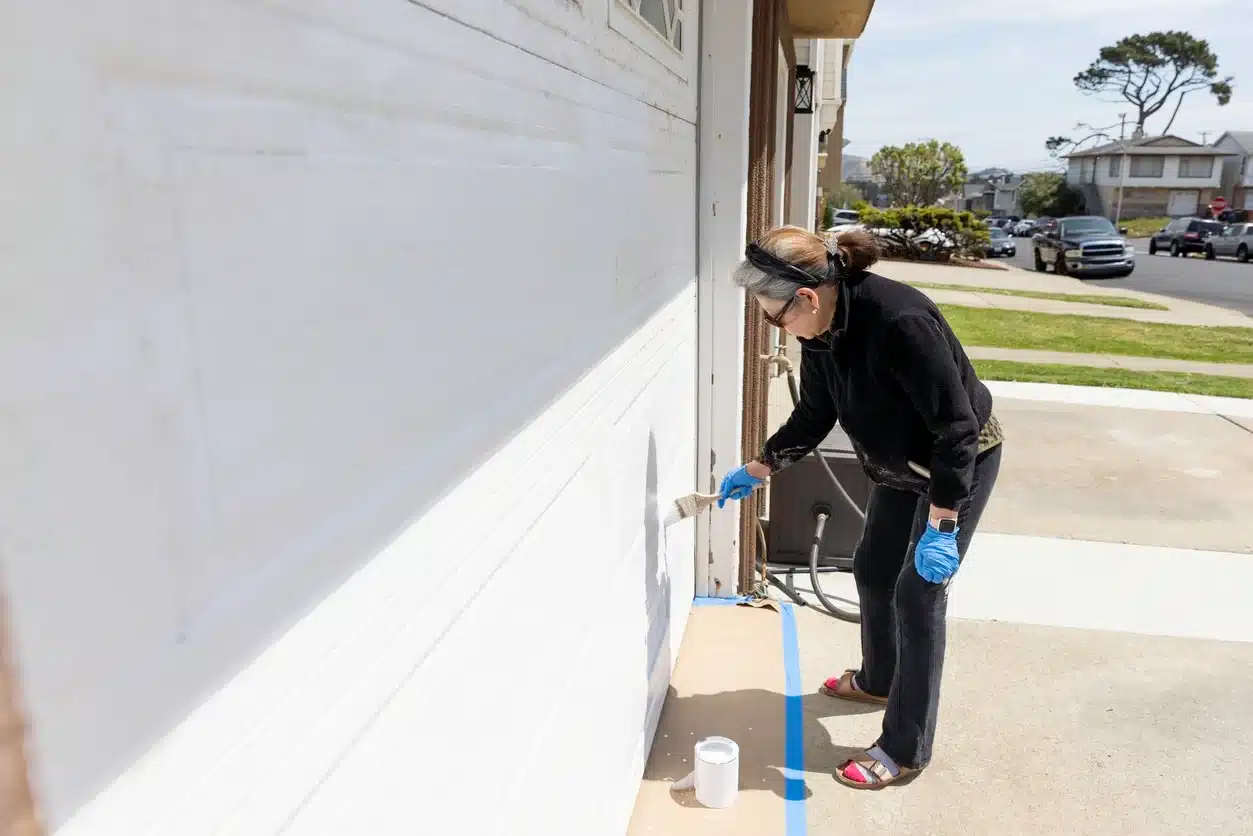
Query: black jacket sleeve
[[811, 419], [921, 358]]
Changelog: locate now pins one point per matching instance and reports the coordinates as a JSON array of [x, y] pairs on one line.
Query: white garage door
[[1183, 203], [372, 354]]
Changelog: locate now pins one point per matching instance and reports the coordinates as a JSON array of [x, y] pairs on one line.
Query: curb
[[977, 265]]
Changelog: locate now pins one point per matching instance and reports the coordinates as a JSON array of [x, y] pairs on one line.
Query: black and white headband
[[772, 265]]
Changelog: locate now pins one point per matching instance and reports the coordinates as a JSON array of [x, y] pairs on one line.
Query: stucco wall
[[344, 350]]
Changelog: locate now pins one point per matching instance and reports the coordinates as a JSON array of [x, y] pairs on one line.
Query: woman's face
[[806, 315]]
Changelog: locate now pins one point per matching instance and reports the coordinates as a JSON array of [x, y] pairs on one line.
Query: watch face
[[948, 526]]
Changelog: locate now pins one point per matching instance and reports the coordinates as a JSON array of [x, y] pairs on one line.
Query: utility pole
[[1205, 137], [1122, 167]]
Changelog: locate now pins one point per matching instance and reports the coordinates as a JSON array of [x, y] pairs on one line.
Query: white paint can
[[717, 772]]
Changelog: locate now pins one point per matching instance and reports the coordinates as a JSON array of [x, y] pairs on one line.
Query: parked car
[[845, 216], [1235, 241], [1038, 225], [1023, 228], [1083, 246], [1000, 243], [1184, 235]]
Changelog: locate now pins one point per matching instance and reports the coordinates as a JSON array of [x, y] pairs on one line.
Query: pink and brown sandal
[[869, 773], [844, 687]]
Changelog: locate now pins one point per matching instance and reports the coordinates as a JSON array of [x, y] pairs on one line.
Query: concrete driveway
[[1099, 701], [1047, 731], [1124, 475]]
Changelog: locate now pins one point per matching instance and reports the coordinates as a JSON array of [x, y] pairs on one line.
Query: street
[[1225, 283]]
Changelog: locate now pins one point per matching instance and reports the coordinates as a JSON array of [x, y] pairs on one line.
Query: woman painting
[[879, 358]]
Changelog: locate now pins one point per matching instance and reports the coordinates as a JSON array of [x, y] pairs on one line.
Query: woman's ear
[[809, 298]]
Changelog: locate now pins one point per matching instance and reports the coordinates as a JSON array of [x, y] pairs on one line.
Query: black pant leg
[[877, 563], [909, 722]]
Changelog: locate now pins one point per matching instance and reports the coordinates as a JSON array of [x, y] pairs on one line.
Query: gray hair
[[794, 248]]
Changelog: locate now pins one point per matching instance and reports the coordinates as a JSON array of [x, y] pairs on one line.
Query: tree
[[844, 196], [919, 173], [1148, 71], [1045, 193], [1037, 192]]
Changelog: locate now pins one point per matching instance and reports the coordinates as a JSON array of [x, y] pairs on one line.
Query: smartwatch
[[947, 525]]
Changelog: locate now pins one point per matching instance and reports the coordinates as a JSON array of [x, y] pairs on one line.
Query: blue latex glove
[[935, 556], [738, 484]]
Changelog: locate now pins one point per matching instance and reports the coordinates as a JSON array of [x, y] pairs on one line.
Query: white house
[[348, 353], [1237, 175], [1164, 176]]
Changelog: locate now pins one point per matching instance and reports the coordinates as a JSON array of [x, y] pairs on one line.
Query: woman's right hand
[[739, 483]]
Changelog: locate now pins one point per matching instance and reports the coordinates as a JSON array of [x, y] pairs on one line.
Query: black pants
[[902, 615]]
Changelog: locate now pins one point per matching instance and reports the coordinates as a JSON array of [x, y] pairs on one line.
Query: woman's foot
[[873, 772], [845, 687]]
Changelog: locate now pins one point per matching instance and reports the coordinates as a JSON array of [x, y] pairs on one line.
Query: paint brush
[[688, 506]]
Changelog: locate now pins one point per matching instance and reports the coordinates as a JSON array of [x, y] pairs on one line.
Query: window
[[1146, 167], [656, 26], [1115, 166], [1199, 167], [1080, 226], [665, 16]]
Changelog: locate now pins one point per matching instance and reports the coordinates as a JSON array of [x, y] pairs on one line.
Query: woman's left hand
[[936, 556]]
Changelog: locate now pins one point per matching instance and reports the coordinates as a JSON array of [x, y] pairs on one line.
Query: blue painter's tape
[[733, 601], [793, 730], [797, 823]]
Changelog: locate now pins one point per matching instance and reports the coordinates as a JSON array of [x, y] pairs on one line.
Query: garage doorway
[[1182, 203]]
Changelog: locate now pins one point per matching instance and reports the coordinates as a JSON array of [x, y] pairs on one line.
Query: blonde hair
[[809, 252]]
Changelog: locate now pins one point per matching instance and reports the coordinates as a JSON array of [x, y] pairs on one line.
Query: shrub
[[926, 233]]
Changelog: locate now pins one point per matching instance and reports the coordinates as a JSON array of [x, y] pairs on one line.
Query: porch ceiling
[[828, 18]]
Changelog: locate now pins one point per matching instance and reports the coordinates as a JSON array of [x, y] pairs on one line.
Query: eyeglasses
[[777, 319]]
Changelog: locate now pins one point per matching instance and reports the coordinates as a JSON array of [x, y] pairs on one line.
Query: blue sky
[[996, 76]]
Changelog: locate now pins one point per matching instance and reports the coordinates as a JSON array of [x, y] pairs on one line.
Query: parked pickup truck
[[1083, 246]]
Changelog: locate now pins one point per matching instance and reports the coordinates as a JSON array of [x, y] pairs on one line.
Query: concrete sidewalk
[[1111, 361], [1179, 312]]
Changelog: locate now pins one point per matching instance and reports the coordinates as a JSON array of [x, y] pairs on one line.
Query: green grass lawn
[[1085, 298], [1190, 384], [1099, 335], [1143, 227]]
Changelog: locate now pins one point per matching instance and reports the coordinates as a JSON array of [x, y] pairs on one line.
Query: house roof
[[1151, 146], [1242, 138]]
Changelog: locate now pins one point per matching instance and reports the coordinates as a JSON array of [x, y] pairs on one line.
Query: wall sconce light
[[804, 89]]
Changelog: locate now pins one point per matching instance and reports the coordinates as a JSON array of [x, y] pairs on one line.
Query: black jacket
[[894, 375]]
